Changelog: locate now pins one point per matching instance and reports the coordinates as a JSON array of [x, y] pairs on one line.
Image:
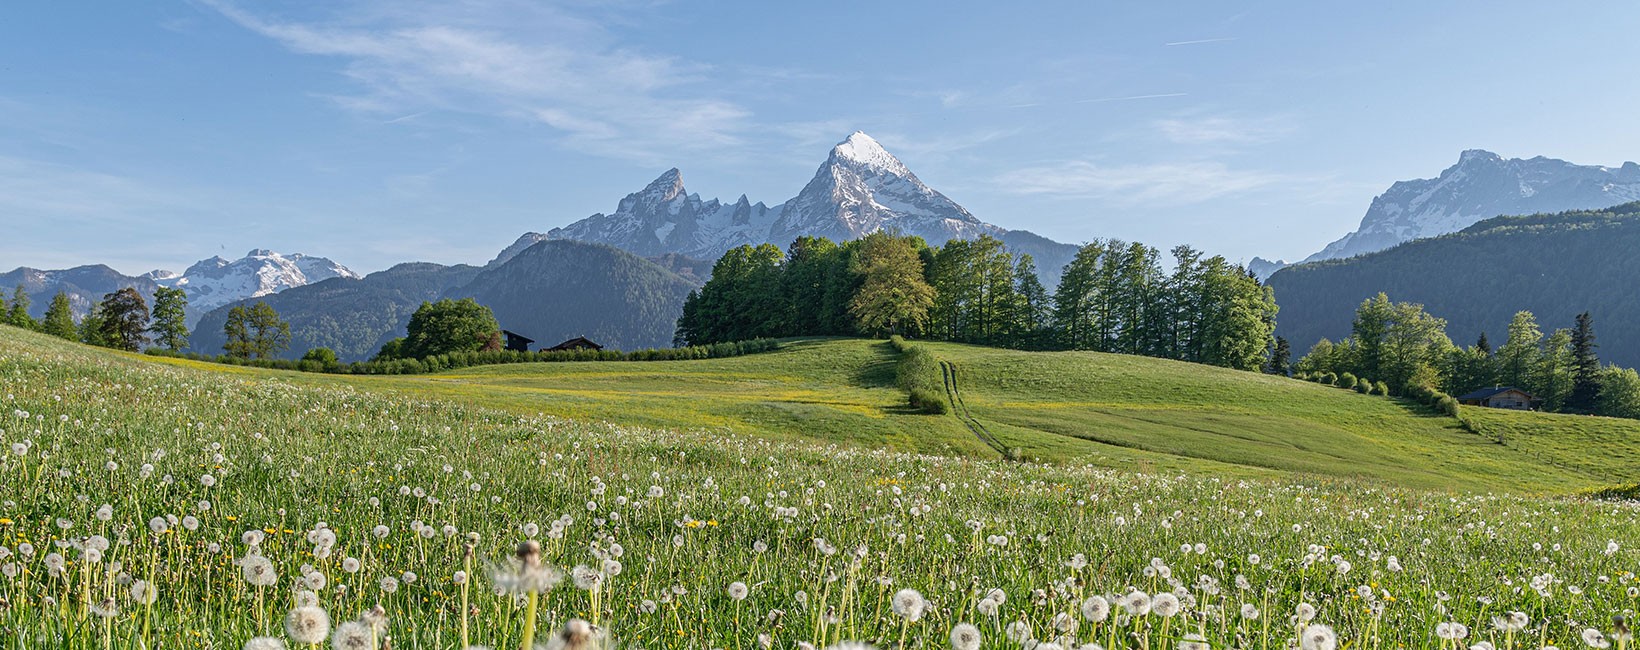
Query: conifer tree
[[59, 320], [17, 313], [1585, 366]]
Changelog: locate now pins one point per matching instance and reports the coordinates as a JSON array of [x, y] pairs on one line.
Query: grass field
[[178, 505], [1078, 407]]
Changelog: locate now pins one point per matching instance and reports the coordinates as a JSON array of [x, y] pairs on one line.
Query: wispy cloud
[[1221, 130], [1168, 183], [1201, 41], [515, 61]]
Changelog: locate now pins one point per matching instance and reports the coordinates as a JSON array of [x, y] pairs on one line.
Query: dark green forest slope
[[1553, 265]]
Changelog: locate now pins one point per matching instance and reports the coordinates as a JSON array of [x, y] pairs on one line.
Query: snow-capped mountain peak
[[861, 188], [864, 150], [213, 282]]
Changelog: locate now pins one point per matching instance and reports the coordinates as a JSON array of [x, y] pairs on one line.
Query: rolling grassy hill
[[1110, 410]]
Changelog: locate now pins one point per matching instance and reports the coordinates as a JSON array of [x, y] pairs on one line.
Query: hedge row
[[458, 360], [918, 374], [1434, 398]]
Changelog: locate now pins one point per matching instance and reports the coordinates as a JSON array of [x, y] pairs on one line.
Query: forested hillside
[[353, 317], [560, 289], [1555, 266]]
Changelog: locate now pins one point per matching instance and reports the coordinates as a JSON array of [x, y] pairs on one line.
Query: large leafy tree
[[59, 320], [255, 332], [124, 320], [448, 326], [1521, 354], [1074, 300], [894, 297], [170, 326]]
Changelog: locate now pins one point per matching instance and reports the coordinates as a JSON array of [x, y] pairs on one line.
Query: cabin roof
[[516, 335], [1495, 390]]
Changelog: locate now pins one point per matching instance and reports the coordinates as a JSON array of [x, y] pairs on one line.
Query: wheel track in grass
[[953, 392]]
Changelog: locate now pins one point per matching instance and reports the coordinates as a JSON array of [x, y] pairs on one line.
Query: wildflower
[[576, 635], [353, 635], [1451, 631], [143, 593], [1193, 641], [1249, 611], [307, 625], [738, 590], [159, 525], [388, 584], [965, 637], [528, 575], [265, 643], [1165, 605], [350, 565], [586, 578], [106, 609], [1096, 609], [909, 604], [1318, 637], [1018, 632], [1594, 639], [1306, 613], [258, 571], [1137, 603]]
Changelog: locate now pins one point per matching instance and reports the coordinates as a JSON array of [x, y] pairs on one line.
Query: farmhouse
[[517, 342], [577, 343], [1501, 397]]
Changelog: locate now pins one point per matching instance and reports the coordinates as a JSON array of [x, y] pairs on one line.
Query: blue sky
[[152, 134]]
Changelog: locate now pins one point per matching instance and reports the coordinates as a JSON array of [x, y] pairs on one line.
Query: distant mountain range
[[860, 189], [208, 284], [550, 292], [1553, 265], [1480, 186]]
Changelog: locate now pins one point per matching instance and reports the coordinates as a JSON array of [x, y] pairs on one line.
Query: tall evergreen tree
[[170, 318], [17, 312], [124, 320], [1281, 354], [894, 296], [1483, 345], [91, 328], [1585, 366], [59, 320]]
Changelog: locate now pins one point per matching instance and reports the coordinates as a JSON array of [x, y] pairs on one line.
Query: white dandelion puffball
[[738, 590], [1318, 637], [965, 637], [909, 603], [1096, 609], [353, 635], [307, 625], [265, 643], [1165, 605]]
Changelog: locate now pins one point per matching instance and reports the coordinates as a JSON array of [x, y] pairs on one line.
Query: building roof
[[577, 342], [1489, 392], [516, 335]]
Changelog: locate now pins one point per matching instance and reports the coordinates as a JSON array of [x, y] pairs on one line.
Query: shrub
[[1329, 379], [325, 357], [1364, 386], [1449, 405], [927, 401], [1381, 389], [1347, 380]]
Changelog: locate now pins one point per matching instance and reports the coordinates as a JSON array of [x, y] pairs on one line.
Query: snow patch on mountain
[[213, 282]]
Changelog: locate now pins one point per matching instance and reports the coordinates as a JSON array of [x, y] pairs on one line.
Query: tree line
[[1404, 347], [122, 320], [1112, 297]]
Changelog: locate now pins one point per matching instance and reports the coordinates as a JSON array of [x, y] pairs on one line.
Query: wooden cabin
[[517, 342], [577, 343], [1501, 397]]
